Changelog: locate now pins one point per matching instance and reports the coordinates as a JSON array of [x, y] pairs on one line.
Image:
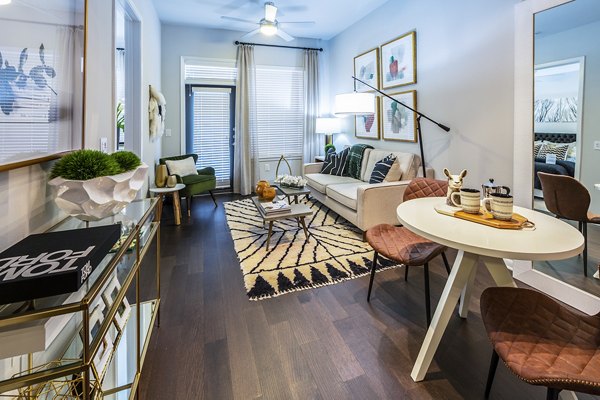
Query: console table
[[90, 343]]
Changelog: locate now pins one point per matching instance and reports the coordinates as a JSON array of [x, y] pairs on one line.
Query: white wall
[[187, 41], [27, 204], [465, 53], [581, 41]]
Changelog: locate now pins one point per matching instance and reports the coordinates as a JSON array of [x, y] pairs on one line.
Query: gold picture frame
[[399, 61], [362, 122], [398, 123], [366, 68], [52, 81]]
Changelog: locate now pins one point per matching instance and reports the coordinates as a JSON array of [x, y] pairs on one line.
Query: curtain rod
[[237, 43], [42, 23]]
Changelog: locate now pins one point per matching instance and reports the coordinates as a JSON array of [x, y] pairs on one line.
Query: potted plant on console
[[92, 185]]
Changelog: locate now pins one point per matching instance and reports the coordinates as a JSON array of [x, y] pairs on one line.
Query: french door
[[210, 125]]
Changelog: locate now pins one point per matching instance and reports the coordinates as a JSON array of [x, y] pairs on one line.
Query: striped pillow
[[560, 149], [382, 167], [335, 163]]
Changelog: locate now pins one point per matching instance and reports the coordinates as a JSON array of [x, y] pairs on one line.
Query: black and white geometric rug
[[334, 252]]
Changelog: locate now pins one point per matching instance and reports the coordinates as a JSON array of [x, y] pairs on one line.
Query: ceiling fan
[[269, 25]]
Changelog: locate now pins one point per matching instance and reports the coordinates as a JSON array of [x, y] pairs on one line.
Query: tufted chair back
[[425, 187]]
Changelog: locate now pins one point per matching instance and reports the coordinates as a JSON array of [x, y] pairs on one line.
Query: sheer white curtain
[[244, 160], [312, 140]]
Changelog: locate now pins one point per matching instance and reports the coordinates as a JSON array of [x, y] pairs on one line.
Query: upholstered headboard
[[556, 137]]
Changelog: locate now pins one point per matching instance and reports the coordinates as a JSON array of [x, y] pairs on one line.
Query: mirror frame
[[49, 157], [523, 164]]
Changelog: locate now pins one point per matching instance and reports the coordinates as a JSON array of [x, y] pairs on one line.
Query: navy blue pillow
[[382, 167], [334, 164]]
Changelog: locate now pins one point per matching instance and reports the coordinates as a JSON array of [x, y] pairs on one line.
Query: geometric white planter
[[98, 198]]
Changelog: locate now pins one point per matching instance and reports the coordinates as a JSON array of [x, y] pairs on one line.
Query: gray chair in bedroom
[[567, 198]]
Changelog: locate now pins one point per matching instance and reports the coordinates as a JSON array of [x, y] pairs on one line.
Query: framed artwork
[[398, 122], [399, 61], [42, 48], [368, 126], [366, 68]]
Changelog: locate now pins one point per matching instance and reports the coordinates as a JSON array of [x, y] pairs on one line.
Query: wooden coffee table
[[297, 212]]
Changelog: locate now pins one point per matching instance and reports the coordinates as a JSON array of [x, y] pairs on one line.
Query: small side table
[[319, 159], [174, 191]]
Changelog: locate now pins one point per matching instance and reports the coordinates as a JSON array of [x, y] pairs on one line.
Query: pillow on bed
[[559, 149], [537, 145]]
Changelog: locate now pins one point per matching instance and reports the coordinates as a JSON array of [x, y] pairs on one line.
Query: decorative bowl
[[269, 193], [260, 186], [98, 198]]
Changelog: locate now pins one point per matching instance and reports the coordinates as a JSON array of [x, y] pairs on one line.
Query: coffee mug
[[500, 205], [469, 200]]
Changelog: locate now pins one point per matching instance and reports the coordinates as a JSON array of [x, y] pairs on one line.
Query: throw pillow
[[559, 149], [382, 167], [182, 168], [335, 163], [395, 173], [537, 145]]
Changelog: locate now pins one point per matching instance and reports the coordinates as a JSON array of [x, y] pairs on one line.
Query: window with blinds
[[279, 112], [211, 129], [210, 73]]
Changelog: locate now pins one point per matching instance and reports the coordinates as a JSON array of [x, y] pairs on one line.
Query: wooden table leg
[[304, 227], [459, 276], [177, 208], [269, 234]]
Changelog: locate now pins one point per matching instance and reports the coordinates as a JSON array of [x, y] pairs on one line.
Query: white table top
[[552, 238], [165, 189]]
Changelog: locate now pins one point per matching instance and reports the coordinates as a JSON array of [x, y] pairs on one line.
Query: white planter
[[101, 197]]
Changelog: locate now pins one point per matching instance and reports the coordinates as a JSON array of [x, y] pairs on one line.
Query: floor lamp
[[419, 116]]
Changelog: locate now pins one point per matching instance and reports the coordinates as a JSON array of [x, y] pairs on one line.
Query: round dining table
[[550, 239]]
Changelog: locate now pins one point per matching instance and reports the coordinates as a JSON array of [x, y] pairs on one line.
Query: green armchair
[[204, 182]]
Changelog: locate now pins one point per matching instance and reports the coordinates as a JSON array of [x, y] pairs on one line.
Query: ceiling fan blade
[[250, 34], [270, 12], [238, 19], [284, 35], [297, 22], [292, 9], [235, 5]]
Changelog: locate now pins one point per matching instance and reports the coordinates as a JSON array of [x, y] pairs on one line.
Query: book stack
[[275, 207]]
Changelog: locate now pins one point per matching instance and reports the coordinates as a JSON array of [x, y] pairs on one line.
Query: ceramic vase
[[269, 193], [171, 181], [160, 178], [260, 187]]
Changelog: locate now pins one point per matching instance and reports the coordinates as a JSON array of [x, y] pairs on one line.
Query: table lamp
[[328, 126]]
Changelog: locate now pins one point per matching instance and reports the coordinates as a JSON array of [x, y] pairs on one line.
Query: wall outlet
[[597, 145], [168, 132], [104, 145], [267, 167]]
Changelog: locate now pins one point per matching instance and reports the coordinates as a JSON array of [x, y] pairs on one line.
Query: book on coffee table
[[275, 207]]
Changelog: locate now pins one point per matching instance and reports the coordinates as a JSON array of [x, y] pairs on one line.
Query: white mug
[[469, 200], [500, 205]]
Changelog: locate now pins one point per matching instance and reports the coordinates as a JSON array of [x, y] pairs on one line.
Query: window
[[279, 112]]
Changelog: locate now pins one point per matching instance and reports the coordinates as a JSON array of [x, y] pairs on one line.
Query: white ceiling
[[331, 16], [567, 16]]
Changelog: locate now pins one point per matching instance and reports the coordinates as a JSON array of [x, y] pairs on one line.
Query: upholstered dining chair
[[204, 182], [567, 198], [405, 247], [542, 341]]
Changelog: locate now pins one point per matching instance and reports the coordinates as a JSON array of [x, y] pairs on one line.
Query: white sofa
[[364, 205]]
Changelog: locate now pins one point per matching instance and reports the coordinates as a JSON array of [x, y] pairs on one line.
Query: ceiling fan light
[[268, 29], [270, 12]]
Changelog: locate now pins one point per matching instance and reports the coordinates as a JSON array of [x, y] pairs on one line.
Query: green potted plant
[[92, 185], [329, 147]]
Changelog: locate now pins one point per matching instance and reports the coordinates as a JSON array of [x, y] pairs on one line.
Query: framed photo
[[109, 296], [42, 47], [368, 126], [366, 68], [398, 122], [399, 61]]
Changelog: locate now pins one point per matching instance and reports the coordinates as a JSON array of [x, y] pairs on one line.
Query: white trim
[[523, 151], [182, 107]]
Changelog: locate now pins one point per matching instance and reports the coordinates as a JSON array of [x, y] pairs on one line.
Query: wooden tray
[[484, 218]]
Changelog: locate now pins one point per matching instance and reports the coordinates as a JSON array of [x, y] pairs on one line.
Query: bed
[[562, 167]]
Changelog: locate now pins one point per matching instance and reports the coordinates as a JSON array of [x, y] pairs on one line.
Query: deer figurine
[[455, 182]]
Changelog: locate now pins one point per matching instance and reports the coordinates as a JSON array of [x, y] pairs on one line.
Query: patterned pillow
[[537, 145], [382, 167], [335, 163], [560, 149]]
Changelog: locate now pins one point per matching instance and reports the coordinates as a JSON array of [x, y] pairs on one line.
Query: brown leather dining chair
[[542, 341], [567, 198], [405, 247]]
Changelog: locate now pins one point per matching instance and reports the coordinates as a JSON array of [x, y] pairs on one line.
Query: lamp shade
[[354, 104], [328, 126]]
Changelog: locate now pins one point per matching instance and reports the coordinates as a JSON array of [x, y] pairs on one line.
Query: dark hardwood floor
[[326, 343]]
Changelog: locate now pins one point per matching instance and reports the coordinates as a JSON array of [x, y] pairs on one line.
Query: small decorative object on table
[[171, 181], [329, 148], [455, 182], [160, 177], [269, 193], [490, 187], [260, 186], [291, 181]]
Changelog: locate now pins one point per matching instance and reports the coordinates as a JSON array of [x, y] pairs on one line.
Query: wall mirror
[[566, 123], [42, 48]]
